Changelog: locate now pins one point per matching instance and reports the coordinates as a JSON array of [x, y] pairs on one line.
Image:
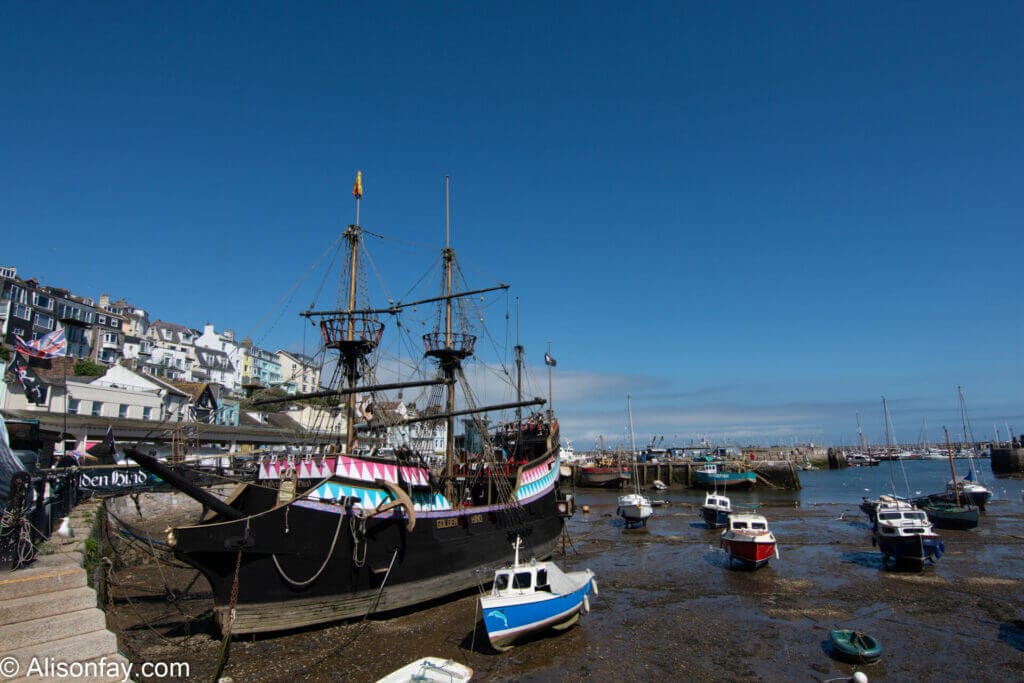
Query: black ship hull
[[314, 560]]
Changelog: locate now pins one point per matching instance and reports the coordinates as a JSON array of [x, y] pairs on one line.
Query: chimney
[[229, 335]]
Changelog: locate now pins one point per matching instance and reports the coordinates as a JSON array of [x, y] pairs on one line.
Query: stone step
[[45, 605], [66, 559], [79, 648], [114, 665], [43, 630], [36, 580]]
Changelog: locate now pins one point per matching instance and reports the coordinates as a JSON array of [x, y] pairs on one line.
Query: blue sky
[[754, 218]]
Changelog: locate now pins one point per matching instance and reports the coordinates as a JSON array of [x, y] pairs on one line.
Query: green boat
[[854, 646]]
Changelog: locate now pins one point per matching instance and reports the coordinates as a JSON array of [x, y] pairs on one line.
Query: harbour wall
[[1007, 461], [779, 474]]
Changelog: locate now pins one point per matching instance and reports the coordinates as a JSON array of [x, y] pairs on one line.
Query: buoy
[[593, 584], [586, 604], [859, 677], [586, 509]]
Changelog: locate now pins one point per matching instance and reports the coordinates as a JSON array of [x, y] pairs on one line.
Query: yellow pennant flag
[[357, 189]]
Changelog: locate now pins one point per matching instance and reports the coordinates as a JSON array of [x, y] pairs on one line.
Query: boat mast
[[888, 453], [632, 445], [861, 435], [952, 468], [967, 427]]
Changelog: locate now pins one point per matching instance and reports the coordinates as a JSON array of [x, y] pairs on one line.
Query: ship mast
[[449, 347], [351, 332]]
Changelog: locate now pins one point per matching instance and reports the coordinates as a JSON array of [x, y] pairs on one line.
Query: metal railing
[[35, 507]]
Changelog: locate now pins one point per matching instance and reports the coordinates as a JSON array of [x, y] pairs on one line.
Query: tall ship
[[351, 529]]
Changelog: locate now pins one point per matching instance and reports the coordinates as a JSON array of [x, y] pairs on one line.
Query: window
[[101, 319], [21, 311], [147, 413], [97, 408], [110, 338], [73, 405], [43, 320], [122, 411], [522, 580], [42, 301]]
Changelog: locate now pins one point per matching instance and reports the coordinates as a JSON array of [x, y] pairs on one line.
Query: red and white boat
[[749, 540]]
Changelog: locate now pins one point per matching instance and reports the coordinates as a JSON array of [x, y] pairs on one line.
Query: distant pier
[[778, 474]]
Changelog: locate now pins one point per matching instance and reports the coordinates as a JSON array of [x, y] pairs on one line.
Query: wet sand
[[669, 608]]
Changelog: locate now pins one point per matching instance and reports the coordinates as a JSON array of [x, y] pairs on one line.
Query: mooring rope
[[330, 554]]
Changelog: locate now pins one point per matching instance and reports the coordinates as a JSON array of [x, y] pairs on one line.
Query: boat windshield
[[501, 581], [522, 580]]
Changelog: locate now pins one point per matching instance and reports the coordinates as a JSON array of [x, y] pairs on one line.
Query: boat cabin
[[520, 580], [749, 524], [718, 502], [903, 522]]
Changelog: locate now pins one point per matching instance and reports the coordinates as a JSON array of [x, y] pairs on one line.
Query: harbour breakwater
[[777, 474], [1007, 461]]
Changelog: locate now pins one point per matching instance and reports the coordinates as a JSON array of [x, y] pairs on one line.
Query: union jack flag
[[53, 345]]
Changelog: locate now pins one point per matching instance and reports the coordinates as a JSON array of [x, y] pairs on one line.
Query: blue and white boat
[[904, 535], [716, 510], [528, 598]]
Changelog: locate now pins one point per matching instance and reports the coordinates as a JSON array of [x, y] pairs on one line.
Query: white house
[[299, 374], [120, 393], [225, 343]]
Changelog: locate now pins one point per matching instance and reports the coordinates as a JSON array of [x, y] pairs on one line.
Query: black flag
[[108, 441], [549, 359], [34, 390]]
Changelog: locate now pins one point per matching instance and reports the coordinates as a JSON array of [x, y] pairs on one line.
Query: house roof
[[194, 389]]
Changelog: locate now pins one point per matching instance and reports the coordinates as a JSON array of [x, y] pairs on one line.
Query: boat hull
[[951, 516], [509, 622], [752, 554], [976, 496], [603, 477], [713, 517], [635, 514], [310, 562], [726, 480], [854, 647], [913, 550]]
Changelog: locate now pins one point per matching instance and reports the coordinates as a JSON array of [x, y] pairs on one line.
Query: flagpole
[[551, 401], [64, 435]]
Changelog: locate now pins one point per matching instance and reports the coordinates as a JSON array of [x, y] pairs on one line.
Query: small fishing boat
[[709, 476], [715, 510], [659, 485], [903, 533], [749, 541], [854, 646], [430, 669], [528, 598]]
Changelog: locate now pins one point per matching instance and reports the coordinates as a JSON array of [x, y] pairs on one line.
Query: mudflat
[[669, 608]]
